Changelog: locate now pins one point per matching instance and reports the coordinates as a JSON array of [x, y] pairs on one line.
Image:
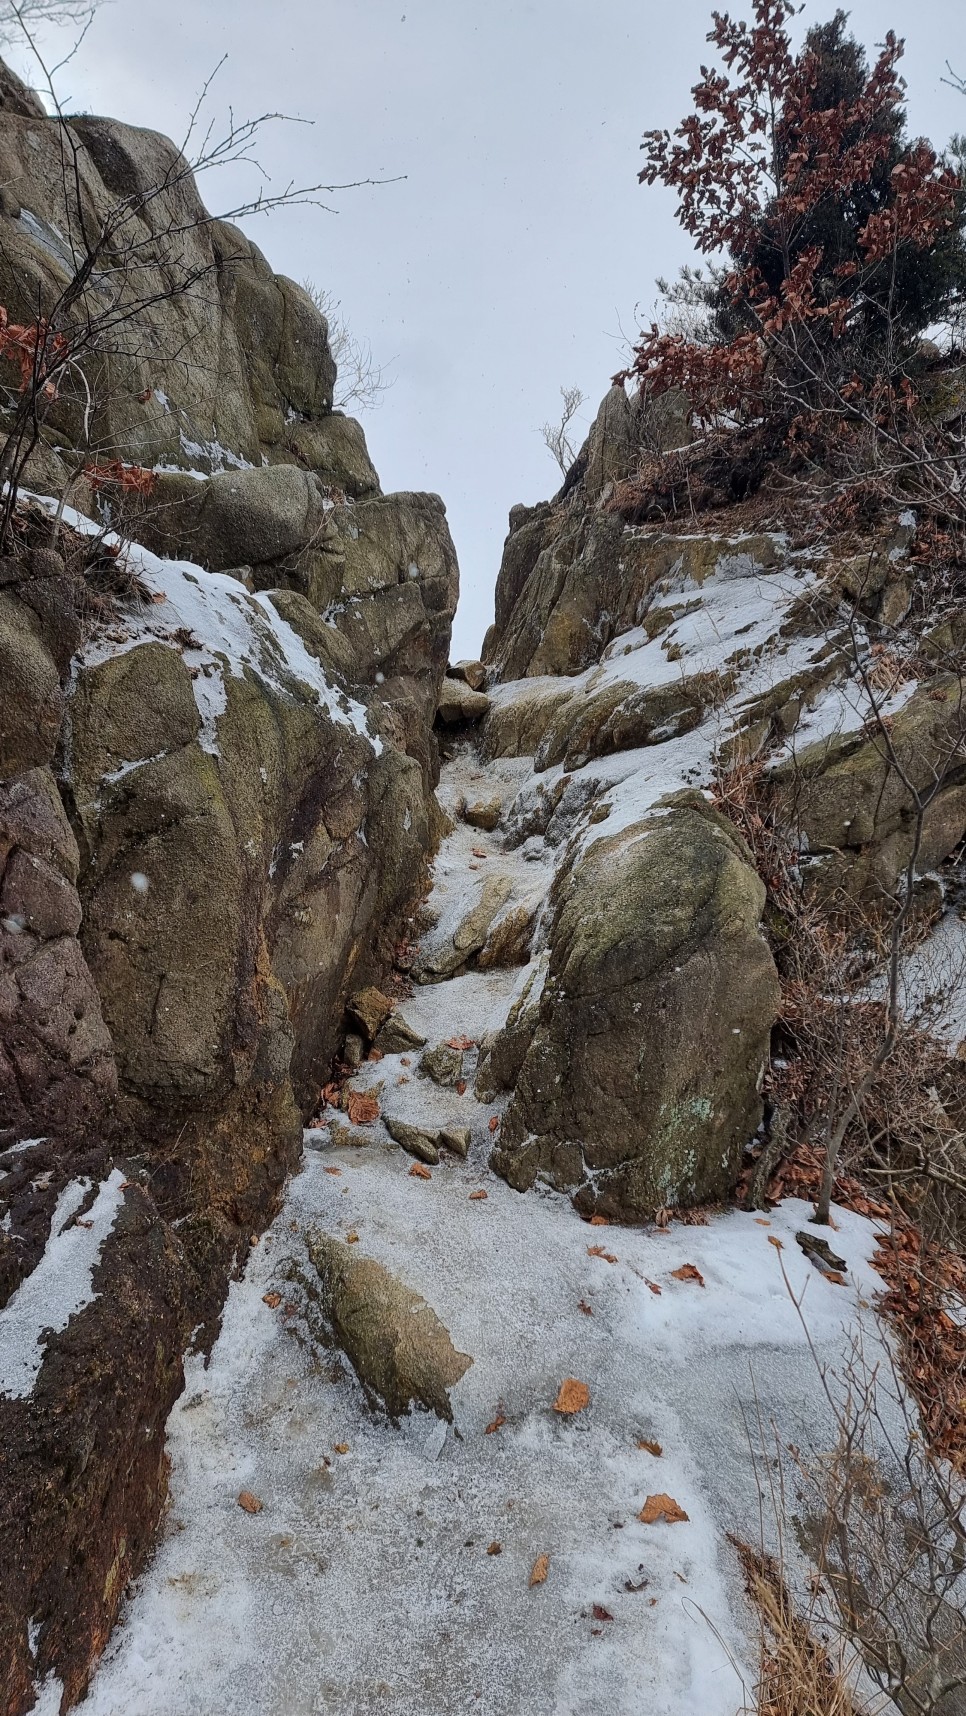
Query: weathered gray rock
[[57, 1070], [573, 578], [415, 1140], [31, 705], [442, 1064], [396, 1344], [235, 517], [458, 702], [397, 1037], [438, 958], [639, 1085], [473, 672], [353, 1051], [482, 813], [174, 966], [370, 1008], [457, 1139], [843, 797]]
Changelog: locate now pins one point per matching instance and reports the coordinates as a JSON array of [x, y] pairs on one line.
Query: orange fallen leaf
[[340, 1447], [539, 1570], [494, 1549], [836, 1276], [475, 1195], [653, 1286], [250, 1503], [599, 1221], [333, 1170], [461, 1087], [361, 1107], [498, 1421], [374, 1055], [461, 1043], [272, 1300], [403, 1078], [419, 1171], [572, 1396], [598, 1251], [651, 1447], [775, 1241], [688, 1272], [478, 852], [582, 1305], [494, 1123], [661, 1507], [352, 1238], [763, 1221], [600, 1613]]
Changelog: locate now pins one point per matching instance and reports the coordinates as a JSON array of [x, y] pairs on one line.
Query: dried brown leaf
[[688, 1272], [361, 1107], [661, 1507], [572, 1396]]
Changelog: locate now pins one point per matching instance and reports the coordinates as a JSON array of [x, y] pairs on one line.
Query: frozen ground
[[365, 1584]]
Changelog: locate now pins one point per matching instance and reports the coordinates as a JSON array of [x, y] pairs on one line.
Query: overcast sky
[[518, 245]]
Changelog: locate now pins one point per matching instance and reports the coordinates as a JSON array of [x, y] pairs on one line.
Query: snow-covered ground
[[365, 1584]]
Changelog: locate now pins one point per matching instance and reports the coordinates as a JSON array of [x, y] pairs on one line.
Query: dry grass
[[799, 1674]]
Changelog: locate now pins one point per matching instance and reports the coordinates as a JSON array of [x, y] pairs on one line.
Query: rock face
[[629, 663], [638, 1087], [850, 808], [216, 809]]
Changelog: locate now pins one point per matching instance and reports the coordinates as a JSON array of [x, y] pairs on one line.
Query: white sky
[[520, 241]]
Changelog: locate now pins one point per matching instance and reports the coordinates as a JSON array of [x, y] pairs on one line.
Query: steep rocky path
[[387, 1568]]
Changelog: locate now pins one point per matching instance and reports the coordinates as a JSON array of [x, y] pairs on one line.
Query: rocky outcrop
[[216, 810], [846, 799], [627, 661], [574, 578], [639, 1085]]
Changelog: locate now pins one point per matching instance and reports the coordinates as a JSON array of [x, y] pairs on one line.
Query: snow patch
[[60, 1285]]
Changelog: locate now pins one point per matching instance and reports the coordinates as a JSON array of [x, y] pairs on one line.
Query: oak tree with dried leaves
[[839, 239]]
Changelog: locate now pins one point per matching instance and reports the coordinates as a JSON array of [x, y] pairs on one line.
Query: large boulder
[[639, 1063]]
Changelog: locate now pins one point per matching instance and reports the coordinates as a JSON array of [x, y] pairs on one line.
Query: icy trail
[[367, 1581]]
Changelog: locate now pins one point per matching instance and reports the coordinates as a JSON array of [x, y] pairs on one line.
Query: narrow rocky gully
[[487, 1552], [386, 1041]]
